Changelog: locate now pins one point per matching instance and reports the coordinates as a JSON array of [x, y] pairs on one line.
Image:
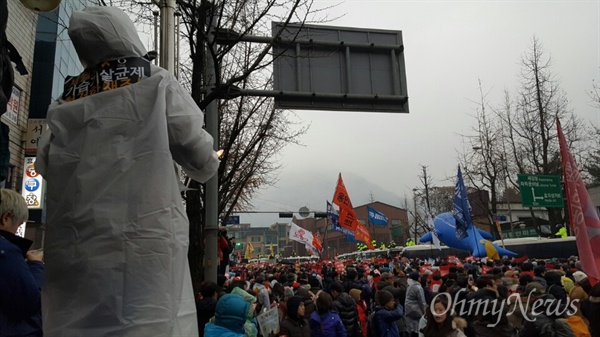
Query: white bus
[[364, 255], [300, 259]]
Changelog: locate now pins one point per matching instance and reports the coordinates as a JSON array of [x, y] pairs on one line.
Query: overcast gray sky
[[449, 46]]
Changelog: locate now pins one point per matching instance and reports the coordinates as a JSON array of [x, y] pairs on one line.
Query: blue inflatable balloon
[[445, 227]]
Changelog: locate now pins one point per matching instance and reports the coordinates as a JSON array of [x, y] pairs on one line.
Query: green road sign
[[540, 190]]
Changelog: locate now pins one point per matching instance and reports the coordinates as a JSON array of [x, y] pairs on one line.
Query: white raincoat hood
[[117, 234], [104, 33]]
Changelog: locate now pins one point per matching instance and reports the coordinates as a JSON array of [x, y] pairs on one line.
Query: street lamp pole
[[506, 198], [415, 209], [167, 34]]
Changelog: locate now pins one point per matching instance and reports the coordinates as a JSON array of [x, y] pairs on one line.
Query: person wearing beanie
[[387, 312], [294, 324], [361, 308], [230, 316], [309, 304], [581, 279], [579, 293], [384, 297]]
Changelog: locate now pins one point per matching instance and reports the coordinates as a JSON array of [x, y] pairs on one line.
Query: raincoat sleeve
[[191, 146]]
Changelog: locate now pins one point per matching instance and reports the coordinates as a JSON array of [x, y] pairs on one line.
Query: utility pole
[[415, 208], [167, 34], [211, 227]]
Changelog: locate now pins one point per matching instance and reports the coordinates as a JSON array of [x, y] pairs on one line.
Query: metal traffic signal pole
[[211, 227], [167, 34], [167, 61]]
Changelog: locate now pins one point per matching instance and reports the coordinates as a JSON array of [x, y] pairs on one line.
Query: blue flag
[[351, 238], [376, 217], [333, 216], [462, 209]]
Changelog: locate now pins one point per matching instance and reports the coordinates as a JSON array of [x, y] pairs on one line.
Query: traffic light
[[286, 214], [238, 244]]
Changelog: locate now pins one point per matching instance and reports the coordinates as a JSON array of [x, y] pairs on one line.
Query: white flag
[[301, 235], [434, 237]]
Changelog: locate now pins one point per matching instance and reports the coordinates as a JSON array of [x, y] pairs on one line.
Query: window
[[255, 239], [396, 222]]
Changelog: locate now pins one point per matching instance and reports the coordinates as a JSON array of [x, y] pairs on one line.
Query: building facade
[[335, 243], [21, 32], [49, 56]]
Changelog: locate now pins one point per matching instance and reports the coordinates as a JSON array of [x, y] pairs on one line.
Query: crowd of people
[[408, 298]]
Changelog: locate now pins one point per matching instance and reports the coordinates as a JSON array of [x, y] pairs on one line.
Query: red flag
[[317, 242], [342, 199], [348, 219], [444, 270], [362, 234], [582, 213], [340, 196]]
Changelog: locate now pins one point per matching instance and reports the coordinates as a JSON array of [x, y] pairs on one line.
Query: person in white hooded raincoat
[[117, 233]]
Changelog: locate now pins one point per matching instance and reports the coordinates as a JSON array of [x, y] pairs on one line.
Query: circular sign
[[32, 184], [30, 171], [304, 211]]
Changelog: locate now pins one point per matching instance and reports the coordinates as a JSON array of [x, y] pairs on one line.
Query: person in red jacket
[[361, 307]]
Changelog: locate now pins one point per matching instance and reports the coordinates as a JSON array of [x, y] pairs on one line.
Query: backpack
[[558, 328], [578, 326], [372, 328]]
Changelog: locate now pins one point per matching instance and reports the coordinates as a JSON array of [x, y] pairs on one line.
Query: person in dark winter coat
[[309, 304], [590, 309], [345, 306], [324, 322], [540, 304], [21, 272], [554, 286], [205, 306], [491, 322], [386, 314], [294, 324], [387, 280], [352, 281]]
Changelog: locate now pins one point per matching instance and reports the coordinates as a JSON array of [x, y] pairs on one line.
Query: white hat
[[579, 276]]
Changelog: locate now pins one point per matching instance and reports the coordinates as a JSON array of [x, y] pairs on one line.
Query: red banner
[[348, 219], [582, 213], [341, 197], [453, 259], [362, 234]]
